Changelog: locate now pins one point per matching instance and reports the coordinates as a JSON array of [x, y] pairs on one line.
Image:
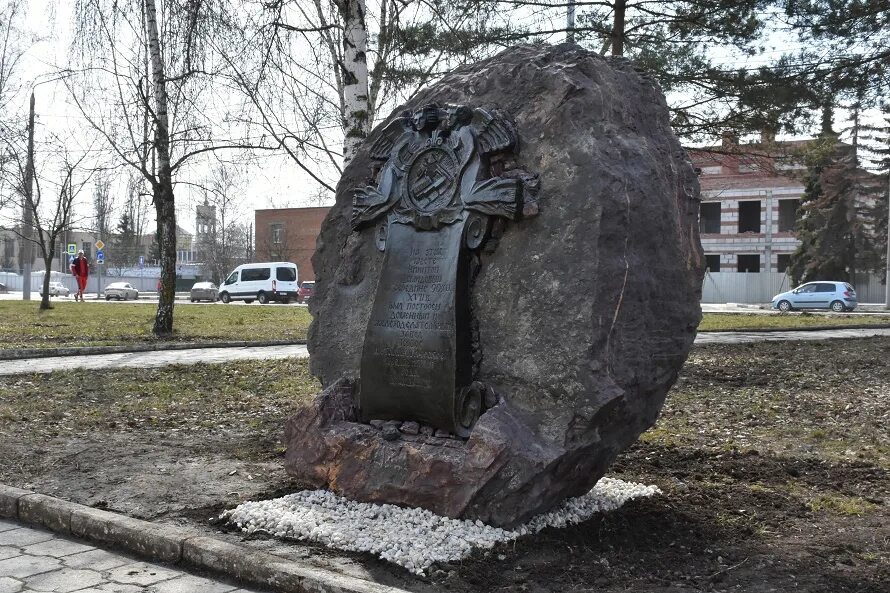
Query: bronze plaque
[[433, 207]]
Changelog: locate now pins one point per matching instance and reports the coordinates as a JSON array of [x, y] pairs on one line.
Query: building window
[[712, 262], [788, 215], [749, 263], [749, 216], [782, 261], [709, 218], [87, 250], [711, 170], [276, 231]]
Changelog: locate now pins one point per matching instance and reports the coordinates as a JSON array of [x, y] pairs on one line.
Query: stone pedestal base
[[503, 474]]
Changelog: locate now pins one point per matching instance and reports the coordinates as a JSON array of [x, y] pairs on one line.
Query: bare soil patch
[[774, 459]]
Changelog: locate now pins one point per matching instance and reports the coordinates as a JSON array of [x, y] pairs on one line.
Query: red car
[[307, 289]]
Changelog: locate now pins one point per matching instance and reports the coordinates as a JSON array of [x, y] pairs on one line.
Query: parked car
[[204, 291], [837, 296], [3, 289], [58, 289], [121, 291], [307, 289], [264, 282]]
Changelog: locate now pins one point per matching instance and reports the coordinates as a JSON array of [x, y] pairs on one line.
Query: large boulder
[[585, 312]]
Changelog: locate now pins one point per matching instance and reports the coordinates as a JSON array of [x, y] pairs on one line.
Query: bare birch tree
[[103, 204], [358, 110], [50, 202], [144, 77], [317, 73], [224, 242]]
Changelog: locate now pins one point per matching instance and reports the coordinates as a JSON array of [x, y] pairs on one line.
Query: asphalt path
[[154, 358], [158, 358], [742, 337]]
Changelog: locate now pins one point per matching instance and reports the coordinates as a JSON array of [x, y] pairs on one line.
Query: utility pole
[[570, 22], [28, 214]]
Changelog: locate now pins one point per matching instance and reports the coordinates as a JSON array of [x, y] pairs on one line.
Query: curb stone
[[23, 353], [274, 571], [175, 545]]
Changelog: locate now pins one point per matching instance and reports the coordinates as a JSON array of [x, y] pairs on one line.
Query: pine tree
[[836, 241], [876, 141], [121, 253]]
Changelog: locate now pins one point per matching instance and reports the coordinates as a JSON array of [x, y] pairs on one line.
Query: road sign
[[141, 261], [72, 248], [100, 245], [100, 257]]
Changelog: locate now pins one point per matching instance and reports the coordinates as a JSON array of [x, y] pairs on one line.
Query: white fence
[[14, 282], [754, 288], [718, 287]]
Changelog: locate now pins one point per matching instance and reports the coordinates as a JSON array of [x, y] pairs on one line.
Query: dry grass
[[23, 325]]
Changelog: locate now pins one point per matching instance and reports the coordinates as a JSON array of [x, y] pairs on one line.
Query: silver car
[[204, 291], [121, 291], [58, 289]]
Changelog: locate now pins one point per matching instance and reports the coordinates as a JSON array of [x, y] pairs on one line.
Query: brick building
[[750, 197], [288, 234]]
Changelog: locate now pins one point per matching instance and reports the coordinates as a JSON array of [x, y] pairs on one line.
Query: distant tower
[[205, 230]]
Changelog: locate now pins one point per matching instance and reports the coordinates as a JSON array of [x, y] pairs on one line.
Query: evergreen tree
[[876, 143], [832, 226], [123, 247]]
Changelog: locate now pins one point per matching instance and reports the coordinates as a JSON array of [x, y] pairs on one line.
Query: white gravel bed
[[411, 537]]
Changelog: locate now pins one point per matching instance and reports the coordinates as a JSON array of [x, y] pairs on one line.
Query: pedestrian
[[80, 268]]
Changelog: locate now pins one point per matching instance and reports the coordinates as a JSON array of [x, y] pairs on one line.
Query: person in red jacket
[[81, 270]]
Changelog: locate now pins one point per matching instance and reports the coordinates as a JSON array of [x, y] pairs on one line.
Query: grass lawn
[[243, 394], [825, 400], [773, 460], [776, 320], [23, 325], [68, 324]]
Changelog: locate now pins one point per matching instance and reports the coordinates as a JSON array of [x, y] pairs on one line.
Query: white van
[[271, 281]]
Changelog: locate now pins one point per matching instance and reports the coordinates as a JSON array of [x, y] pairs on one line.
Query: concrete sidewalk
[[219, 355], [155, 358], [38, 560], [742, 337]]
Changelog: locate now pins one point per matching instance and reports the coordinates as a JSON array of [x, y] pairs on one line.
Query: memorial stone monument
[[506, 289]]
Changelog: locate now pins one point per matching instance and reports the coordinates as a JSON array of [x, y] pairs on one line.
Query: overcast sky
[[272, 180]]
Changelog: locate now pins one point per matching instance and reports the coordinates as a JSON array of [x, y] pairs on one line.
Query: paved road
[[865, 309], [143, 300], [217, 355], [37, 560], [745, 337], [154, 358]]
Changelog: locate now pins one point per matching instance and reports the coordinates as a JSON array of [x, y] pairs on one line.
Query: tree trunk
[[165, 206], [165, 210], [570, 22], [357, 116], [48, 264], [618, 28]]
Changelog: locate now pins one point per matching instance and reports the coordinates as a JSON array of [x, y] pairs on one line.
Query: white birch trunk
[[165, 207], [357, 115]]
